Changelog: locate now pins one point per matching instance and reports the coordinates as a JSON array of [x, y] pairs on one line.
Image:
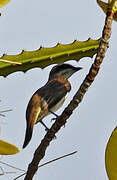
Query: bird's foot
[[46, 128], [53, 119]]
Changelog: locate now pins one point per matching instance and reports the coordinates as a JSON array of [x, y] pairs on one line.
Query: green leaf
[[7, 148], [3, 2], [111, 156], [112, 4], [103, 5], [45, 56]]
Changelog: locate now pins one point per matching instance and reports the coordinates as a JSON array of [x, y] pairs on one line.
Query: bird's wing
[[32, 113], [33, 110], [41, 102], [52, 93]]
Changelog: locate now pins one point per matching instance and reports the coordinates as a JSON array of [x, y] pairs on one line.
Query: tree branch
[[40, 151], [61, 157]]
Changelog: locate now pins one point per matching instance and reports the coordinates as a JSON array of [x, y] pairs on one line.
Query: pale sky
[[25, 25]]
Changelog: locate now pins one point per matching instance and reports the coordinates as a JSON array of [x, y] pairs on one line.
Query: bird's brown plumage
[[43, 100]]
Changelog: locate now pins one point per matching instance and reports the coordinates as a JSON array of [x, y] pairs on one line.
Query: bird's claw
[[53, 119], [47, 129]]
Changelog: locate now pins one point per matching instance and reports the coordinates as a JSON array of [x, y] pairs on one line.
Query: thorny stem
[[61, 120]]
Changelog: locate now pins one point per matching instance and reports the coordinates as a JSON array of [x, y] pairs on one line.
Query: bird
[[49, 98]]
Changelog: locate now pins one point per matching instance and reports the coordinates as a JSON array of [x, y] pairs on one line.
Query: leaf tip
[[7, 148], [3, 55]]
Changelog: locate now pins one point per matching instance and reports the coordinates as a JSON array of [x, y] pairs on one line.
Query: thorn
[[22, 51], [58, 44], [3, 55], [51, 58], [74, 41], [40, 47], [89, 39]]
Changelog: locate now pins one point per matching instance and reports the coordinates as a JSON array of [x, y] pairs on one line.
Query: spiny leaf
[[111, 156], [43, 57], [103, 5], [112, 4], [3, 2], [7, 148]]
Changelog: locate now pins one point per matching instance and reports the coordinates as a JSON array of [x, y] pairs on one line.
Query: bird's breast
[[48, 98], [58, 105]]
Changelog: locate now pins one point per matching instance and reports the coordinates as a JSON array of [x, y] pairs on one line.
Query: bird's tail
[[28, 135]]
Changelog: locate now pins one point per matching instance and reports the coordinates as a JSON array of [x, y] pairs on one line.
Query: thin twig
[[49, 163], [4, 112], [12, 166], [3, 172], [2, 115], [8, 172]]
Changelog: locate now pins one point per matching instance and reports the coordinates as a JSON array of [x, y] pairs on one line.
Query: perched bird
[[48, 98]]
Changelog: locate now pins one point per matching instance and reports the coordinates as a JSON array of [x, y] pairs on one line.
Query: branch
[[11, 166], [61, 157], [40, 151], [4, 112]]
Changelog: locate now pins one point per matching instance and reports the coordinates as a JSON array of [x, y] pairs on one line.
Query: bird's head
[[65, 70]]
